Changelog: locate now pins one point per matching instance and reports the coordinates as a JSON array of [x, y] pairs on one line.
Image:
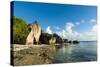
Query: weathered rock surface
[[30, 55]]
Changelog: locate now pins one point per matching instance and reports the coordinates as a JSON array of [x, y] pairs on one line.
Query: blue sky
[[82, 18]]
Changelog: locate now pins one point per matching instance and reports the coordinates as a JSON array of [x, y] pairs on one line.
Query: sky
[[73, 22]]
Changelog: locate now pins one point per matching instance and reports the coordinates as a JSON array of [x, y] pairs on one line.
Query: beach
[[28, 55], [48, 54]]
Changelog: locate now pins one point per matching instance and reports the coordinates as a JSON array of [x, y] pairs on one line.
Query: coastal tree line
[[21, 31]]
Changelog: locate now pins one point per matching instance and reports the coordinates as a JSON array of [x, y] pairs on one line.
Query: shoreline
[[17, 47], [36, 54]]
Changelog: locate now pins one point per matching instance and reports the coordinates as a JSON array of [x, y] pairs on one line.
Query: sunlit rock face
[[30, 39], [36, 31], [52, 40], [34, 34]]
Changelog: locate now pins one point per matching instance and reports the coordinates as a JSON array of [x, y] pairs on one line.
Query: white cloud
[[77, 23], [69, 33], [88, 35], [93, 21], [94, 29], [48, 30], [69, 27]]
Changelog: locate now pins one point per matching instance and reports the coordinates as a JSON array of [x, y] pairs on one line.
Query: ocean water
[[82, 52]]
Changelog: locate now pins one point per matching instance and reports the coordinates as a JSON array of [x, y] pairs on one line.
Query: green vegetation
[[65, 40], [71, 41], [75, 41], [58, 38], [44, 38], [20, 30]]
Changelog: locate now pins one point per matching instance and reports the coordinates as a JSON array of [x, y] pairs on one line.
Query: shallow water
[[84, 51]]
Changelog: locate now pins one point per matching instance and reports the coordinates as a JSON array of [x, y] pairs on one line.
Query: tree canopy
[[20, 30]]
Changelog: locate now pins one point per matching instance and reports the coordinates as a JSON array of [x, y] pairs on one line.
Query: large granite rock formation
[[34, 34]]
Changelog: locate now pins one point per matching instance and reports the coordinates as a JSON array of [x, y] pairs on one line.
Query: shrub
[[20, 30]]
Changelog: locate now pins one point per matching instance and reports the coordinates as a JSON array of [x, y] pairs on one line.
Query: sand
[[31, 55]]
